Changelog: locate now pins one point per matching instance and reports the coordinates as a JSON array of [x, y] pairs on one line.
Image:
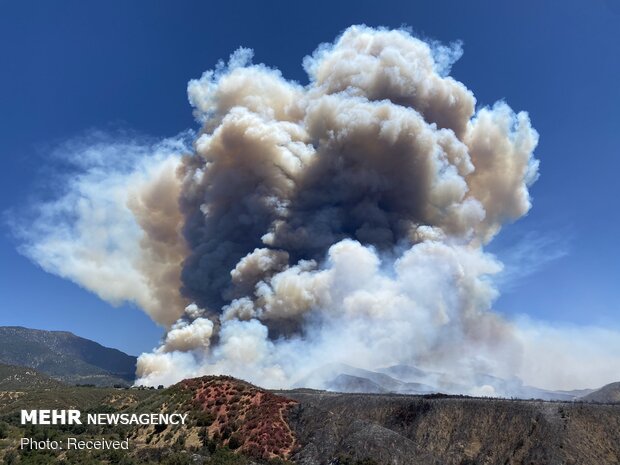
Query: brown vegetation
[[242, 416]]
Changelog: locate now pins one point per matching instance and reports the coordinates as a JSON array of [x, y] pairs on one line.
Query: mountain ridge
[[610, 393], [407, 379], [65, 356]]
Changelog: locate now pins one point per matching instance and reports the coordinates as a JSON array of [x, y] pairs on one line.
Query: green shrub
[[204, 419], [235, 441]]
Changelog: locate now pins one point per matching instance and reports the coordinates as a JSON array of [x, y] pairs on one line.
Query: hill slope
[[13, 378], [236, 423], [609, 394], [429, 430], [65, 356]]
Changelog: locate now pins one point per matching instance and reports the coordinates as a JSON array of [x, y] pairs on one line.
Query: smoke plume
[[342, 221]]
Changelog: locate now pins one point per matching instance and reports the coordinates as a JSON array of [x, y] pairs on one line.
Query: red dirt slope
[[242, 416]]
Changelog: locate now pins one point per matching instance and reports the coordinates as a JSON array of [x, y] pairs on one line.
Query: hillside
[[14, 378], [452, 430], [608, 394], [233, 422], [65, 356]]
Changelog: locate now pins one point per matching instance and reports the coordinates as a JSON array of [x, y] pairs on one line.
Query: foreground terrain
[[233, 422]]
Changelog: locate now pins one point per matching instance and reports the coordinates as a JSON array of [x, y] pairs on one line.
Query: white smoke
[[338, 222], [93, 233]]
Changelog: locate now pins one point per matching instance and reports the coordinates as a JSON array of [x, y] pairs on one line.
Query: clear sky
[[67, 67]]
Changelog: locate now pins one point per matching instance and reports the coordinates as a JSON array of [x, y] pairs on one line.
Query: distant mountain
[[608, 394], [348, 383], [405, 373], [14, 378], [406, 379], [65, 356], [345, 378]]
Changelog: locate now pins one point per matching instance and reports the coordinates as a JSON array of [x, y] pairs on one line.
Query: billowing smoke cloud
[[338, 222], [116, 228]]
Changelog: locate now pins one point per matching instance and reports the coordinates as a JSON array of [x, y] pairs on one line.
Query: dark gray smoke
[[379, 144], [338, 222]]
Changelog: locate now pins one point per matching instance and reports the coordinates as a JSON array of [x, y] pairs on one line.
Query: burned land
[[233, 422]]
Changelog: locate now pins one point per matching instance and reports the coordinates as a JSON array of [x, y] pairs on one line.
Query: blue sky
[[68, 67]]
